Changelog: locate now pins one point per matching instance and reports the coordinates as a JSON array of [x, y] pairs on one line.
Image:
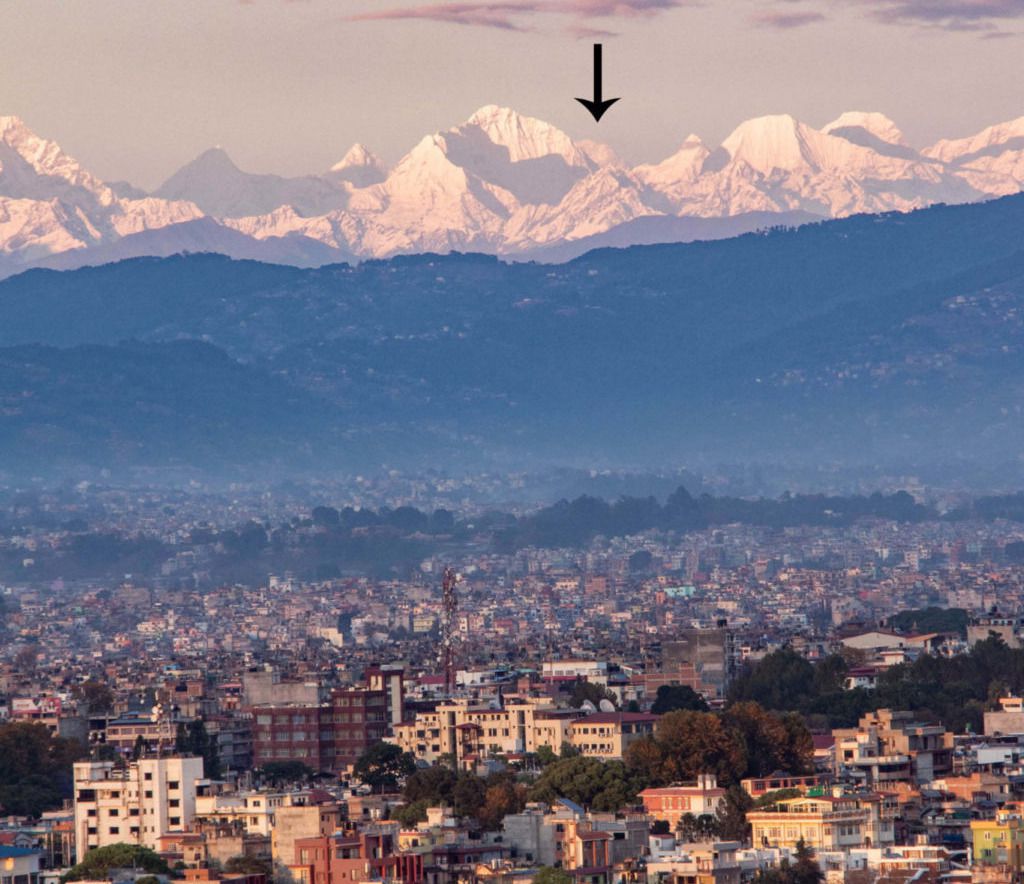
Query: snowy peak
[[525, 138], [773, 142], [678, 170], [358, 157], [875, 124], [989, 142], [46, 159], [359, 167], [500, 182]]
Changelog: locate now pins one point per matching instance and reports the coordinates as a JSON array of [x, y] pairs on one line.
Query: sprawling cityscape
[[724, 703], [511, 442]]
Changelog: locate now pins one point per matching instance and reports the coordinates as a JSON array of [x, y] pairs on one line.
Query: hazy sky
[[136, 88]]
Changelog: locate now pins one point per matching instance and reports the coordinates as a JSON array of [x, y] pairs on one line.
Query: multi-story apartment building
[[822, 823], [1000, 842], [326, 736], [703, 659], [607, 735], [149, 799], [841, 821], [369, 854], [672, 803], [889, 747], [464, 728], [295, 822], [252, 811], [154, 731]]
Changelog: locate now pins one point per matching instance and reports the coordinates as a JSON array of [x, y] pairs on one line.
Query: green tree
[[383, 766], [249, 865], [568, 750], [731, 816], [546, 755], [677, 696], [278, 773], [771, 798], [434, 785], [696, 828], [783, 680], [592, 783], [99, 862], [551, 875], [193, 739], [35, 768], [805, 870], [96, 695], [468, 795], [412, 813], [646, 759], [586, 691], [138, 748]]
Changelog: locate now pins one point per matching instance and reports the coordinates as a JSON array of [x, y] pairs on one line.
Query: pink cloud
[[510, 14], [786, 20]]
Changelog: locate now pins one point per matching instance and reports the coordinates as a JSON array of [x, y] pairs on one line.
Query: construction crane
[[449, 605]]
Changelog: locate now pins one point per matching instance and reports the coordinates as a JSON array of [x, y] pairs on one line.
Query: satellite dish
[[587, 706], [607, 705]]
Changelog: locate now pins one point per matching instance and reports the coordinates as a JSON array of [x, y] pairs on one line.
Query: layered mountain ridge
[[500, 183]]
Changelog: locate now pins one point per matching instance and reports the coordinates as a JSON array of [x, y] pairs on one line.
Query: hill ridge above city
[[890, 340]]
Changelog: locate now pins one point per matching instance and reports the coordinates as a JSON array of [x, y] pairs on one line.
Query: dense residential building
[[466, 729], [19, 865], [327, 736], [888, 747], [1000, 842], [607, 735], [672, 803], [823, 823], [139, 804]]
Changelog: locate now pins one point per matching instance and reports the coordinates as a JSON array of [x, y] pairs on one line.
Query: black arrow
[[597, 106]]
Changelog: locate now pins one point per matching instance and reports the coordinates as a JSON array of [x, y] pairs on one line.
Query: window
[[148, 775], [175, 820], [173, 784]]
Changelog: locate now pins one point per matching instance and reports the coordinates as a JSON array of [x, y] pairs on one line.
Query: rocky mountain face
[[500, 183]]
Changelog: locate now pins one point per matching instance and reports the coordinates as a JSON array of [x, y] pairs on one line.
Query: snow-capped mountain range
[[499, 182]]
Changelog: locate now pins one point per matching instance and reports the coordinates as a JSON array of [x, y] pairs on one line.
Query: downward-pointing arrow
[[597, 106]]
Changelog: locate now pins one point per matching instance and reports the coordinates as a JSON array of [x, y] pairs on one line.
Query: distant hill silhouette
[[876, 339]]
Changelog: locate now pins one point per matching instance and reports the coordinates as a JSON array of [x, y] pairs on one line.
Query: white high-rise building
[[152, 797]]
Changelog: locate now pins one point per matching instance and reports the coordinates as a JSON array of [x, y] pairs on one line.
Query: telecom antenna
[[449, 605]]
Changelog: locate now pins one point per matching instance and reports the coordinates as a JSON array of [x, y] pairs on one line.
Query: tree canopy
[[35, 768], [598, 785], [384, 765], [100, 861]]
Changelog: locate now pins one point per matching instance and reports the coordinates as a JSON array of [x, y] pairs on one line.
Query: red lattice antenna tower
[[449, 605]]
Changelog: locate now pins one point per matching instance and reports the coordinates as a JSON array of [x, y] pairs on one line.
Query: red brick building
[[328, 736], [369, 854]]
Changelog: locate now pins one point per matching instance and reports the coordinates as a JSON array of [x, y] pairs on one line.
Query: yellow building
[[822, 823], [470, 730], [607, 735], [999, 842]]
